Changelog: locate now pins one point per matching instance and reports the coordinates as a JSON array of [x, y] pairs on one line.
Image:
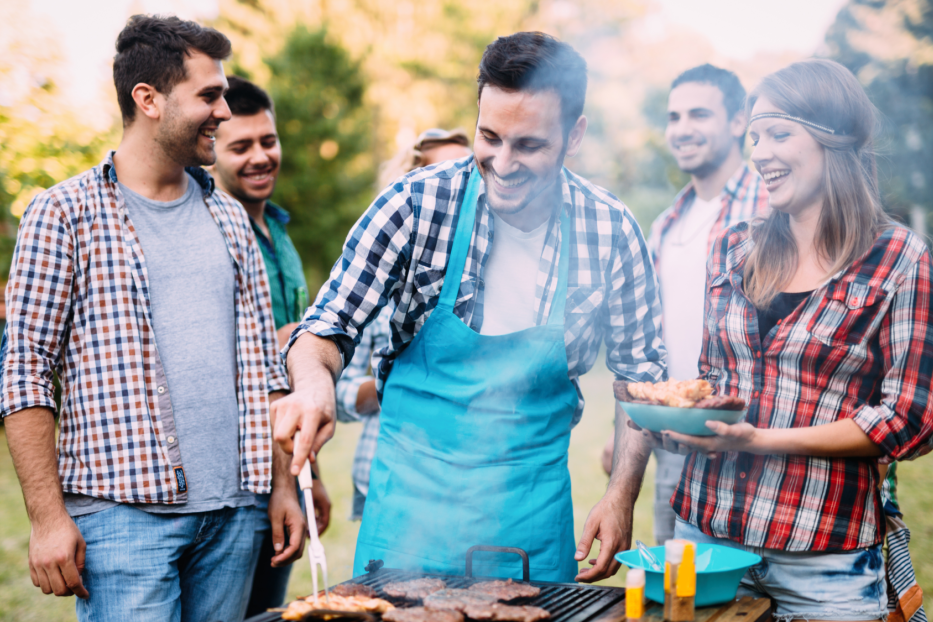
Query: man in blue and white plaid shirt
[[479, 384]]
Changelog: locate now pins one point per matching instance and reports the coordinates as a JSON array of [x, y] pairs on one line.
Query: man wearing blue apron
[[506, 272]]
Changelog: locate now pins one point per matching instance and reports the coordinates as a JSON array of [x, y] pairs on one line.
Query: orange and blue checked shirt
[[78, 306], [861, 348], [744, 197]]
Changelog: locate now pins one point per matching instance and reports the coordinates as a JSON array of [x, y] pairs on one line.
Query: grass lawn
[[22, 602]]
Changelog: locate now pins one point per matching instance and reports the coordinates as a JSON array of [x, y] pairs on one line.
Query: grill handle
[[526, 575]]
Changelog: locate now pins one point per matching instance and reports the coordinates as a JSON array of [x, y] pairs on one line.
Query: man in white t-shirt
[[706, 133]]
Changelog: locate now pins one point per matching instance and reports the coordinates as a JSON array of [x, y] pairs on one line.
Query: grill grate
[[567, 602]]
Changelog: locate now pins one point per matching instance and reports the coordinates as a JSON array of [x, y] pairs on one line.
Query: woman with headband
[[817, 317]]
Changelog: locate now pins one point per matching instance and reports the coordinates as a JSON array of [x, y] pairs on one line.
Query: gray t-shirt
[[191, 293]]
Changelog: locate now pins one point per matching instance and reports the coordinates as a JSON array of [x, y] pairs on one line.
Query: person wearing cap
[[506, 273], [356, 389], [818, 317]]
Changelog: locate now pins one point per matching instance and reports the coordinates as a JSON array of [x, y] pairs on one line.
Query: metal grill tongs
[[316, 549]]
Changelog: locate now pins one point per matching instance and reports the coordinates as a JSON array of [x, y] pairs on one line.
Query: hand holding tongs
[[316, 549]]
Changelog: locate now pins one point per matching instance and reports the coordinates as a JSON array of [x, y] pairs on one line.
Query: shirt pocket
[[849, 315], [429, 280]]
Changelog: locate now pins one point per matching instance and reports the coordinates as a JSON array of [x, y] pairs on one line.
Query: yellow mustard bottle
[[685, 587], [673, 554], [635, 595]]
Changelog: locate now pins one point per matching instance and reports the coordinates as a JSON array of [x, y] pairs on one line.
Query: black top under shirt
[[782, 306]]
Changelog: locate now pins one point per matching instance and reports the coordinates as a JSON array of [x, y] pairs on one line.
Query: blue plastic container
[[683, 420], [717, 582]]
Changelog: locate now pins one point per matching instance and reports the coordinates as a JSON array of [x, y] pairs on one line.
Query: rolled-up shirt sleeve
[[902, 424], [635, 351], [373, 262], [38, 302]]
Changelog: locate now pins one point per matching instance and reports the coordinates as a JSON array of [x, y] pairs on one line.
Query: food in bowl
[[675, 393]]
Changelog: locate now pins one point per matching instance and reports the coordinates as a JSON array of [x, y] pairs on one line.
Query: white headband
[[781, 115]]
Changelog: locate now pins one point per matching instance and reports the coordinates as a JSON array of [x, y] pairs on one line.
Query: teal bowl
[[683, 420], [718, 574]]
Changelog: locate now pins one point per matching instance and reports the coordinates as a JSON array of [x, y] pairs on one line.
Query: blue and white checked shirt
[[376, 337], [397, 255]]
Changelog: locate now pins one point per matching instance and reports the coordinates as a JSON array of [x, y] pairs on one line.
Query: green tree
[[888, 45], [326, 180]]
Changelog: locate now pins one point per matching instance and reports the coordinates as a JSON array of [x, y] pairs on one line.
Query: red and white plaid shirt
[[78, 306], [743, 198], [858, 348]]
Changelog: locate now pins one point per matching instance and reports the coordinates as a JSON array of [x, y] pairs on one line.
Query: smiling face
[[789, 159], [248, 156], [699, 132], [520, 149], [192, 111]]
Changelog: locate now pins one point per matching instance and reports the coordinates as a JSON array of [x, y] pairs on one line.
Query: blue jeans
[[168, 567], [830, 585]]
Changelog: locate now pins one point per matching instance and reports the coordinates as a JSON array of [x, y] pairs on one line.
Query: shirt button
[[171, 439], [742, 475], [265, 435], [758, 355], [755, 394], [161, 390]]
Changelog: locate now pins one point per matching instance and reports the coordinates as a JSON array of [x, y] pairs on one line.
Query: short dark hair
[[151, 49], [246, 99], [733, 93], [535, 61]]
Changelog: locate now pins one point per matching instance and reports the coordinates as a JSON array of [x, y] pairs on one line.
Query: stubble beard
[[712, 164], [179, 140]]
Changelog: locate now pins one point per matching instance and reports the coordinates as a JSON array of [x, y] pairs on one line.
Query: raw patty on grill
[[457, 600], [506, 613], [353, 589], [415, 589], [506, 590], [420, 614]]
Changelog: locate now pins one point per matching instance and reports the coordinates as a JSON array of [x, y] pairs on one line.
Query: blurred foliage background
[[353, 81]]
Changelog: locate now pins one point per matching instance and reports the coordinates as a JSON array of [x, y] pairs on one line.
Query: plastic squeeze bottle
[[673, 555], [685, 588], [635, 595]]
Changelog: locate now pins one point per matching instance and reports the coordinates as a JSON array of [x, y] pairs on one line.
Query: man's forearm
[[31, 437], [629, 459], [309, 357]]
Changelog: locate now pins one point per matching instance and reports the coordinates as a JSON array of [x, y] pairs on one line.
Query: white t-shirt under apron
[[511, 275], [683, 286]]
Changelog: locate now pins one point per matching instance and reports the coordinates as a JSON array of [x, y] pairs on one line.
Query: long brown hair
[[824, 92]]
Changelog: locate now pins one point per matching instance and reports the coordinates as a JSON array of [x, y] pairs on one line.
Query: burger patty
[[506, 590], [506, 613], [416, 589], [420, 614], [457, 600], [353, 589]]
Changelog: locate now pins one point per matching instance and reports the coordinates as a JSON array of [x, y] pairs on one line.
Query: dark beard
[[179, 141]]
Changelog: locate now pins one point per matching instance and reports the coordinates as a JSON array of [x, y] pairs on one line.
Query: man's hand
[[56, 556], [288, 525], [321, 506], [610, 522], [313, 367]]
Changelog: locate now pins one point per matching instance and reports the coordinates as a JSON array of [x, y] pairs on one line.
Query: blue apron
[[473, 441]]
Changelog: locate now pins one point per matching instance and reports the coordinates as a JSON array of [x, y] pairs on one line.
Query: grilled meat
[[457, 600], [353, 589], [506, 590], [721, 402], [297, 609], [506, 613], [415, 589], [420, 614]]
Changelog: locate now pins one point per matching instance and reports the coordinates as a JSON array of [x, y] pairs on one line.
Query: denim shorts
[[846, 585]]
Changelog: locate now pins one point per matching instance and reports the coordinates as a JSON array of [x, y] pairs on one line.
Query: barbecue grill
[[567, 602]]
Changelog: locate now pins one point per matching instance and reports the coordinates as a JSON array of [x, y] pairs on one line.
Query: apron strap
[[461, 246], [559, 301]]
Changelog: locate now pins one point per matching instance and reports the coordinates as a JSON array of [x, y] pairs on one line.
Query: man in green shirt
[[248, 157]]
